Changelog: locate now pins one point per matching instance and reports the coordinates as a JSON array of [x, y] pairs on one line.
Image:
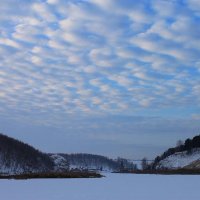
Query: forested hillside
[[90, 161], [18, 157]]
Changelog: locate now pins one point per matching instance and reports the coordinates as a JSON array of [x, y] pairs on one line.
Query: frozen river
[[112, 187]]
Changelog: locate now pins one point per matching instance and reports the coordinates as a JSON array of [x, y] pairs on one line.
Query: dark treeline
[[17, 156], [188, 145], [90, 161]]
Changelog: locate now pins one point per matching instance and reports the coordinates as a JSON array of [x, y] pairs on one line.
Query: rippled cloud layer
[[62, 59]]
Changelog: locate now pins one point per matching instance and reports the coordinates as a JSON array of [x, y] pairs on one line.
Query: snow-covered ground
[[180, 159], [112, 187]]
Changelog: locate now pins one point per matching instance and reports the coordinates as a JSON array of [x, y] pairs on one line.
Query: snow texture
[[60, 162], [180, 159], [112, 187]]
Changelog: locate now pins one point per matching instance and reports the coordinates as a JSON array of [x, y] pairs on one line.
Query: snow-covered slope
[[193, 165], [179, 159], [60, 163]]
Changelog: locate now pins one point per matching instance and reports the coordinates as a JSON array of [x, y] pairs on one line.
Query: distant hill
[[17, 157], [90, 161], [86, 161], [186, 155]]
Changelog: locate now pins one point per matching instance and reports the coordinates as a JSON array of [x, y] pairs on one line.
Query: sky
[[110, 77]]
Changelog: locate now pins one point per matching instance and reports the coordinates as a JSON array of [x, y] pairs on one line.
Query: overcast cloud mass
[[110, 77]]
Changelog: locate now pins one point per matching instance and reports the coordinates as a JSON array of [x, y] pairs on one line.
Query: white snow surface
[[180, 159], [112, 187]]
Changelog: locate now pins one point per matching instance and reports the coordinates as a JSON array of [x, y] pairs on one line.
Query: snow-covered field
[[112, 187]]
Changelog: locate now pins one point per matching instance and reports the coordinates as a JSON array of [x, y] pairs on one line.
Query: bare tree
[[179, 143], [135, 167], [144, 163]]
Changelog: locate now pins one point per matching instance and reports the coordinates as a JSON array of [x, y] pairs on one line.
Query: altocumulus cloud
[[89, 59]]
